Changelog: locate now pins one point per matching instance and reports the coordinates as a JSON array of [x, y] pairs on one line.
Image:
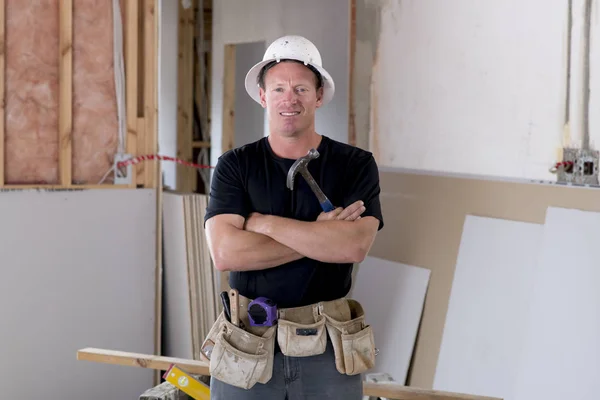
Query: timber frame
[[140, 46], [193, 92]]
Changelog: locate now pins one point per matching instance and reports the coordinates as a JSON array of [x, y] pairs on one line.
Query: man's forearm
[[327, 241], [240, 250]]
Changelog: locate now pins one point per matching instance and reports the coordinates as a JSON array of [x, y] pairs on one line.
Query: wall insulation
[[95, 118], [32, 91], [75, 93]]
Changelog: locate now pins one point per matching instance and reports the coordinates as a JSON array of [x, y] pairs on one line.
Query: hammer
[[300, 165]]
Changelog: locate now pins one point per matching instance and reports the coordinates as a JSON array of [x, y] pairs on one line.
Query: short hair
[[260, 80]]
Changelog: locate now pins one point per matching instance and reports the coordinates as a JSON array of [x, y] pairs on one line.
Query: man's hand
[[350, 213]]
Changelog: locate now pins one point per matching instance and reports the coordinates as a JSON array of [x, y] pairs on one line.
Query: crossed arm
[[266, 241]]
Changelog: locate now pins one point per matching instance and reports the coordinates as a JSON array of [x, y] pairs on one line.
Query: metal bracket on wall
[[579, 167]]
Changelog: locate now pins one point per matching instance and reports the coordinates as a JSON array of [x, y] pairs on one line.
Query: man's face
[[291, 98]]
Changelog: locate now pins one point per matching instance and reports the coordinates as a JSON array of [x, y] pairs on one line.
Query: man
[[277, 242]]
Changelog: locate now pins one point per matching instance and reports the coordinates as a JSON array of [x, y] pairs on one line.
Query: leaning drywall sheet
[[560, 350], [392, 295], [177, 322], [487, 310], [78, 270]]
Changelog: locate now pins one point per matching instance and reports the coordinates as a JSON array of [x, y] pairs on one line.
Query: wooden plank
[[161, 363], [195, 367], [228, 134], [2, 94], [186, 177], [131, 79], [65, 118], [400, 392], [141, 123], [199, 144], [352, 44], [150, 91], [167, 391], [228, 125], [66, 187], [208, 40], [152, 169], [141, 54], [159, 266], [141, 141]]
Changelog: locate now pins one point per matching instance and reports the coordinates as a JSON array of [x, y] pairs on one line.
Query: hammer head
[[299, 165]]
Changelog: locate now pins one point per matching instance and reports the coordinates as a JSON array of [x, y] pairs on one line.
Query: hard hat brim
[[253, 90]]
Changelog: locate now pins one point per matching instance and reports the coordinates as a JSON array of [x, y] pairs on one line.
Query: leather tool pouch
[[301, 331], [352, 338], [238, 357]]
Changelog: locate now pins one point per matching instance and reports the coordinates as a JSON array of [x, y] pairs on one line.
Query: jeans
[[297, 378]]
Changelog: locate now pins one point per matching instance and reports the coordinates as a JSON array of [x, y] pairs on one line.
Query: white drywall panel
[[560, 350], [167, 87], [177, 322], [487, 312], [249, 117], [78, 270], [392, 295], [479, 87], [325, 23]]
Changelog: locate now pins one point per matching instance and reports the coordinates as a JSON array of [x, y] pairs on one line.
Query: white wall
[[478, 87], [167, 86], [325, 23], [249, 116]]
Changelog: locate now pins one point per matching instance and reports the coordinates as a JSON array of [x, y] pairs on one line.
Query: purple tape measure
[[262, 312]]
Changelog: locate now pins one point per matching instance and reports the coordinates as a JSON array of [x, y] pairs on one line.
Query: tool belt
[[243, 357]]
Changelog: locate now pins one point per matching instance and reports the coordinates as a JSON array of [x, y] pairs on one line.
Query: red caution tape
[[138, 159]]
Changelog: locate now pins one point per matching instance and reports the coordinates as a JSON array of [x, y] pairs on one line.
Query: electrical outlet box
[[122, 174], [579, 167]]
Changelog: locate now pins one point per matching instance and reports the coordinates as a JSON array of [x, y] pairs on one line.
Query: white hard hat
[[295, 48]]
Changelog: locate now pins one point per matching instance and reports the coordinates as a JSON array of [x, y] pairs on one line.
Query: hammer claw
[[301, 166]]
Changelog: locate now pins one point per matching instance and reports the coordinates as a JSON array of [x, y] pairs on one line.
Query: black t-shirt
[[252, 178]]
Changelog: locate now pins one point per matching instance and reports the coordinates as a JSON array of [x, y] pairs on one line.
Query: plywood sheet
[[78, 271], [392, 295], [487, 312], [424, 220], [560, 350]]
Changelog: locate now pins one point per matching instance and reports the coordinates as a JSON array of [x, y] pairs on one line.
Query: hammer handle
[[323, 200], [327, 206]]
